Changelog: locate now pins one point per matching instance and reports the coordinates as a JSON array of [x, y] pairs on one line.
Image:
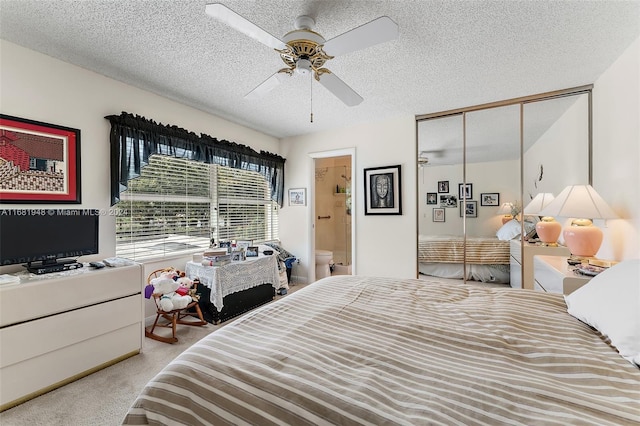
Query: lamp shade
[[505, 210], [583, 203], [580, 201], [539, 202]]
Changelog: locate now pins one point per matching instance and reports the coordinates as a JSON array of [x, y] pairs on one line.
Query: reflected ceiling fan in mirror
[[423, 159], [305, 52]]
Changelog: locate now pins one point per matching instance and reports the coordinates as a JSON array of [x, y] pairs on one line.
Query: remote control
[[96, 265]]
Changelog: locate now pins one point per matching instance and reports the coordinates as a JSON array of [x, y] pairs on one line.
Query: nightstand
[[519, 262], [554, 275]]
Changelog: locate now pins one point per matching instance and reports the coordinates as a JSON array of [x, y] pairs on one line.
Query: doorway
[[333, 224]]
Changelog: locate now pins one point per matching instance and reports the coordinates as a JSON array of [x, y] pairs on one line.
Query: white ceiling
[[449, 54]]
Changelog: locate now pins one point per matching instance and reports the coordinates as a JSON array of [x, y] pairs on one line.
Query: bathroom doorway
[[333, 219]]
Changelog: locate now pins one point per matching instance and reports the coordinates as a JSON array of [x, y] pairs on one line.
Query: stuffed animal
[[186, 284], [164, 287]]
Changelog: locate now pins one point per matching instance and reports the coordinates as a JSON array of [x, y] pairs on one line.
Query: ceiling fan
[[305, 52], [423, 159]]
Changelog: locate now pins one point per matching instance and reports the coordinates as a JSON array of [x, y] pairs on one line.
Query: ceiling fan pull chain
[[311, 90]]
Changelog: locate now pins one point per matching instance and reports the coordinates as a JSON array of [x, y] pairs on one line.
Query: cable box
[[58, 267]]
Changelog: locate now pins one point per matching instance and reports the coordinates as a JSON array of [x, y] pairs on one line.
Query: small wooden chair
[[172, 318]]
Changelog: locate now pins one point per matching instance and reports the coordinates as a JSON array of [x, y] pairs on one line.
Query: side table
[[554, 275]]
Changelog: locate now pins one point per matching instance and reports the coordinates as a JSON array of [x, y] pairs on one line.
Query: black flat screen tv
[[47, 236]]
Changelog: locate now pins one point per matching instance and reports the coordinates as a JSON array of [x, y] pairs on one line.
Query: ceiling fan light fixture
[[303, 66]]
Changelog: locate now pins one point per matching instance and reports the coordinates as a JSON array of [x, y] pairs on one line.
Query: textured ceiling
[[449, 54]]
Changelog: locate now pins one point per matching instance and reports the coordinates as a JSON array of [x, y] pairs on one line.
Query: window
[[178, 205], [245, 209]]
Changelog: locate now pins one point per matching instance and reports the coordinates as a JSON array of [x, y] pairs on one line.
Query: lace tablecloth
[[235, 276]]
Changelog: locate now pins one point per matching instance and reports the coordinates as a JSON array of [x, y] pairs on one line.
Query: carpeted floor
[[103, 398]]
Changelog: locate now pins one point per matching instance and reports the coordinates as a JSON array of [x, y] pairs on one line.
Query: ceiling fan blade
[[232, 19], [377, 31], [267, 86], [340, 89]]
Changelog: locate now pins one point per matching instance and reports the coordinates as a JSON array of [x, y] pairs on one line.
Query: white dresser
[[56, 328], [554, 275], [519, 261]]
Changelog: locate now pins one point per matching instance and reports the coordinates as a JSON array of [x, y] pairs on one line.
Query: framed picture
[[490, 199], [438, 215], [470, 209], [443, 186], [382, 190], [42, 162], [252, 251], [237, 256], [465, 190], [298, 197], [448, 201], [432, 198], [242, 245]]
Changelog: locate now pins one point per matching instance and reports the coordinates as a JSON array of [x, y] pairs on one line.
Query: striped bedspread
[[450, 249], [375, 351]]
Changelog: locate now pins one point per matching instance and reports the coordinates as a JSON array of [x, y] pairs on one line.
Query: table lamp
[[547, 228], [582, 203], [505, 210]]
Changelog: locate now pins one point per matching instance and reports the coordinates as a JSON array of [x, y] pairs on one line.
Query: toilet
[[324, 258]]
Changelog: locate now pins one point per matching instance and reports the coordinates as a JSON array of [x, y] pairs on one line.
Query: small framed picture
[[438, 214], [443, 187], [465, 190], [432, 198], [252, 251], [298, 197], [490, 199], [242, 245], [237, 256], [448, 201], [470, 209]]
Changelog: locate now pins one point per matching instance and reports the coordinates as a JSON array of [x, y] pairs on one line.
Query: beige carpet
[[104, 397]]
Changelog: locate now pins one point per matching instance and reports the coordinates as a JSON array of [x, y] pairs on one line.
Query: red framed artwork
[[39, 162]]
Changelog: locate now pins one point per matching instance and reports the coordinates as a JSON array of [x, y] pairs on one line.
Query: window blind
[[178, 205]]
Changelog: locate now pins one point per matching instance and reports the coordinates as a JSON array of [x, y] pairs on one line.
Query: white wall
[[38, 87], [616, 169], [385, 245]]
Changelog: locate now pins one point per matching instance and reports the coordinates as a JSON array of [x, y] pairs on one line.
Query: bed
[[487, 258], [363, 350]]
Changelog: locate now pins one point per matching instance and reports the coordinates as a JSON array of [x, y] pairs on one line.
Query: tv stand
[[56, 328]]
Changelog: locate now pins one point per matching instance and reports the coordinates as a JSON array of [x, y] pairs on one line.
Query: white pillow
[[610, 303], [509, 230]]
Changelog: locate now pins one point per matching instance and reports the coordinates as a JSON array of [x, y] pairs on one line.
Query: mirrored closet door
[[480, 167]]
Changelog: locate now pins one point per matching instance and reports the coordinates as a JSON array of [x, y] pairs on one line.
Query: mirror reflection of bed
[[486, 258], [486, 156]]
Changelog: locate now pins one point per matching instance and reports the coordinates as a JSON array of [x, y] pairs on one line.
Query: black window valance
[[134, 139]]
